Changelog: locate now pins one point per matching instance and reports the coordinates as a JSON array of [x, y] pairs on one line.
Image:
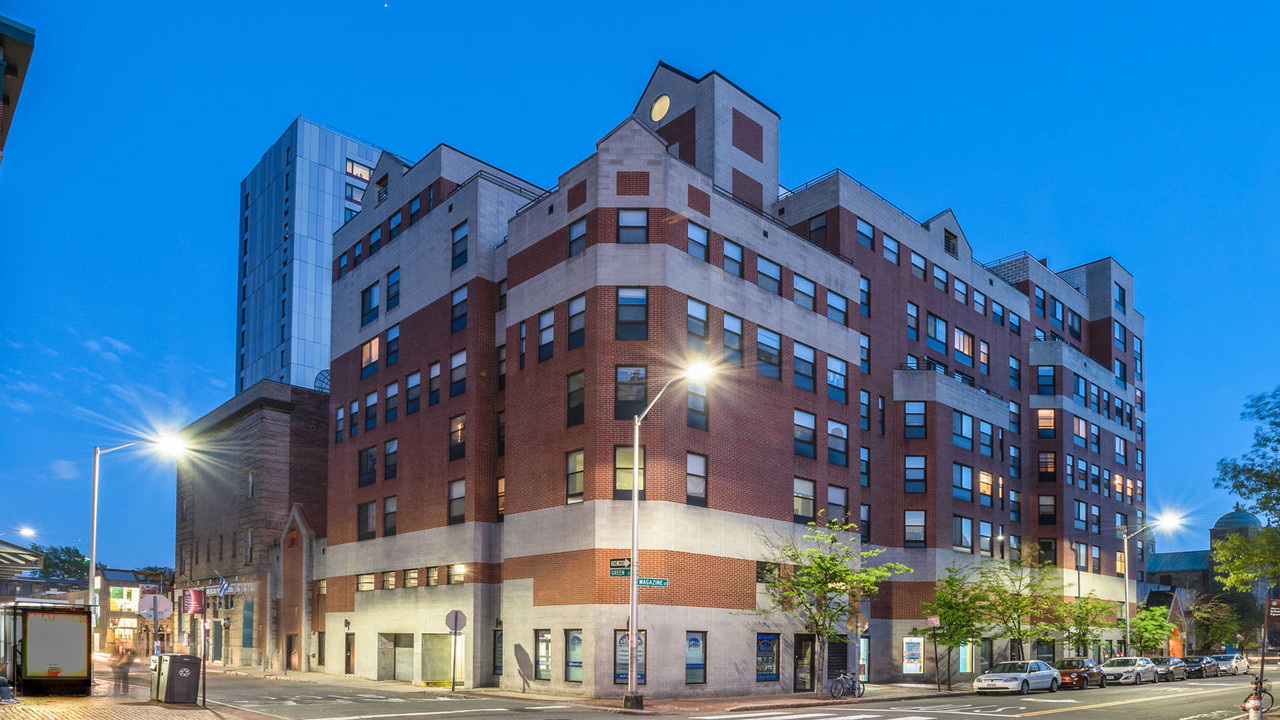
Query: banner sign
[[912, 656], [192, 601]]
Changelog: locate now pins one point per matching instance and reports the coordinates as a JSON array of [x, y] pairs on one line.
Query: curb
[[831, 703]]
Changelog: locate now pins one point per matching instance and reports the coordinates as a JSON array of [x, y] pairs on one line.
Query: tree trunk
[[821, 647]]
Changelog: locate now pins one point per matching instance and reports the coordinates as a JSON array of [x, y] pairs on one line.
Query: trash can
[[178, 679], [155, 677]]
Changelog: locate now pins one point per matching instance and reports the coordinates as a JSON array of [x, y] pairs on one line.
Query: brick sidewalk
[[104, 706]]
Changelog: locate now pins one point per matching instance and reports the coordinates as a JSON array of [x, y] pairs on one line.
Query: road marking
[[1048, 700], [538, 707], [859, 717], [966, 709], [739, 715], [1126, 702], [415, 714], [803, 716]]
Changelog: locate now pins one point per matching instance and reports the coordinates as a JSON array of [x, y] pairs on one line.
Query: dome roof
[[1237, 519]]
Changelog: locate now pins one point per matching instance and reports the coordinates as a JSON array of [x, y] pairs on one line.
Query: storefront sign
[[192, 601], [912, 656], [622, 654], [766, 657]]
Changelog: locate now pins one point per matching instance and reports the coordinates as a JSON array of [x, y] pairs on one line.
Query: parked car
[[1080, 673], [1020, 676], [1129, 670], [1234, 664], [1201, 667], [1170, 668]]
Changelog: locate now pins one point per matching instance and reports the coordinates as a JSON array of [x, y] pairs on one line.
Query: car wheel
[[1137, 679], [1102, 682], [1024, 688], [1053, 685]]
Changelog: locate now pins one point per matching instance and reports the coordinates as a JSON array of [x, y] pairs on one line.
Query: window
[[389, 518], [1095, 554], [433, 384], [576, 397], [415, 210], [1045, 380], [367, 463], [1048, 509], [502, 294], [732, 339], [803, 292], [803, 430], [457, 437], [961, 430], [433, 576], [914, 420], [573, 473], [696, 325], [961, 291], [412, 393], [985, 439], [837, 379], [837, 308], [768, 353], [695, 479], [913, 321], [985, 489], [913, 474], [633, 226], [1121, 373], [369, 304], [768, 275], [937, 330], [502, 367], [458, 373], [459, 246], [342, 266], [359, 170], [365, 582], [630, 392], [1137, 358], [962, 482], [1137, 458], [633, 314], [837, 504], [393, 289], [1048, 465], [864, 296], [500, 423], [802, 501], [864, 467], [356, 255], [733, 258], [1040, 302], [818, 229], [1122, 455], [546, 335], [864, 409], [577, 237], [1015, 507], [1119, 297], [864, 523], [1079, 430], [837, 443], [577, 321], [1015, 461], [1121, 570], [393, 345], [802, 360], [1046, 423], [369, 358], [354, 414], [1093, 438], [962, 534], [366, 528], [962, 342], [697, 241], [1080, 522], [458, 309], [890, 248], [502, 498], [457, 501], [913, 528], [542, 645], [623, 470], [389, 464], [696, 403], [393, 228], [940, 279]]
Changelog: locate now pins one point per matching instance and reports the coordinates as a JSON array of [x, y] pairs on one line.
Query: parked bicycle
[[847, 682], [1263, 691]]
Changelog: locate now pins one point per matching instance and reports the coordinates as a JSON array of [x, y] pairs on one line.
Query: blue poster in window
[[622, 654], [766, 657]]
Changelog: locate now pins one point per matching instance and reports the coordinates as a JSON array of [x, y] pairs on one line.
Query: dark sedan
[[1170, 668], [1201, 667], [1079, 673]]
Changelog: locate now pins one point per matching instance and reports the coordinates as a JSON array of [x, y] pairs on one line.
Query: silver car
[[1234, 664], [1020, 676], [1129, 670]]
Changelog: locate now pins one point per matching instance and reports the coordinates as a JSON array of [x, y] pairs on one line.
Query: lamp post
[[1127, 533], [23, 531], [697, 372]]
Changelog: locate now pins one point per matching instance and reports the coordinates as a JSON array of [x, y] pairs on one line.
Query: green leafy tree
[[1019, 600], [1216, 621], [1254, 477], [821, 578], [1150, 628], [956, 602], [1243, 562], [1082, 620], [63, 561]]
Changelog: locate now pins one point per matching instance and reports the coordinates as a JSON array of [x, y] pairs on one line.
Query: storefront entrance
[[803, 663], [349, 655]]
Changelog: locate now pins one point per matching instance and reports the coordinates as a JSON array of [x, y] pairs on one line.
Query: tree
[[63, 561], [821, 578], [1019, 600], [1216, 621], [1082, 620], [1255, 476], [956, 602], [1244, 561], [1150, 628], [158, 569]]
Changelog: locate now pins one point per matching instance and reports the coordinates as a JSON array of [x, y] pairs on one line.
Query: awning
[[15, 559]]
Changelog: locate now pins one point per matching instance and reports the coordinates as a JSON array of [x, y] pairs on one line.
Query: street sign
[[651, 582], [455, 620], [933, 621], [1273, 609], [620, 562], [619, 572]]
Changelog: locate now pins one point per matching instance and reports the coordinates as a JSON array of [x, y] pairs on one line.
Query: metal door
[[349, 663], [217, 641]]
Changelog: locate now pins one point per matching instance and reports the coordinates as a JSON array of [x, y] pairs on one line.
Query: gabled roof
[[662, 65], [1179, 561]]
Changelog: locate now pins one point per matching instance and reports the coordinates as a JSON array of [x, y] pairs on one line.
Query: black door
[[291, 651], [350, 662], [803, 663]]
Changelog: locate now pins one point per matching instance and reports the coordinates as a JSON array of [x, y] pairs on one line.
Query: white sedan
[[1234, 664], [1020, 676], [1130, 670]]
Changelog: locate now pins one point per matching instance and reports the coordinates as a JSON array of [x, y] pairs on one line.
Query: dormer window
[[382, 188], [949, 243]]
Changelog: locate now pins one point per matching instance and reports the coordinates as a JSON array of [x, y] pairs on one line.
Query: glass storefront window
[[695, 657], [573, 655], [766, 657], [621, 657], [542, 643]]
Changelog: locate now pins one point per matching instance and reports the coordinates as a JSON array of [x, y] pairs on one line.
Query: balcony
[[932, 383]]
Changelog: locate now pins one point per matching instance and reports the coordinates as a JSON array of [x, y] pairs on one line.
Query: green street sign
[[651, 582], [619, 572]]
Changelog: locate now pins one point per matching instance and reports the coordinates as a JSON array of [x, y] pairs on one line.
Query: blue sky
[[1147, 133]]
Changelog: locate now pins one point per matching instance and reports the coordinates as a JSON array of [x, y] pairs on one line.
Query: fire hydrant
[[1253, 706]]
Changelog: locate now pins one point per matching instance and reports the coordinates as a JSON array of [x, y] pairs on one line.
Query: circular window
[[659, 108]]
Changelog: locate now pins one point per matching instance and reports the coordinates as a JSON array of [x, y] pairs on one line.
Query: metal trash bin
[[155, 677], [178, 679]]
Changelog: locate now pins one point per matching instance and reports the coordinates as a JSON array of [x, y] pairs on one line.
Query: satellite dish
[[322, 381]]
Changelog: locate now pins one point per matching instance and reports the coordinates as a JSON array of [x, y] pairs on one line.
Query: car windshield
[[1119, 662], [1224, 657], [1009, 667], [1161, 661], [1192, 660], [1069, 664]]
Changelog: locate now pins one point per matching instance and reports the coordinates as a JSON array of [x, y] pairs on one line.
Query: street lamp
[[168, 444], [698, 372], [1127, 532], [23, 531]]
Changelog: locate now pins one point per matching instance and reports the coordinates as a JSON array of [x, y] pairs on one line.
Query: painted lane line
[[1048, 700], [237, 707], [1126, 702], [859, 717], [915, 717], [538, 707], [415, 714], [962, 709], [804, 716], [739, 715]]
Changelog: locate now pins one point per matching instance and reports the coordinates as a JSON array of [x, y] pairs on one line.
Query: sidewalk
[[102, 705]]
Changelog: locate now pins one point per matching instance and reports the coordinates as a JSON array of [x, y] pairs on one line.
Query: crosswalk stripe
[[803, 716], [858, 717]]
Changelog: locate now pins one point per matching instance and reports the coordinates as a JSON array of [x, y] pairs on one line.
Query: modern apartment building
[[17, 41], [307, 184], [491, 343]]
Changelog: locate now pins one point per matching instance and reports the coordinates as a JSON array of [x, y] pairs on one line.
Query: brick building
[[491, 342], [17, 42]]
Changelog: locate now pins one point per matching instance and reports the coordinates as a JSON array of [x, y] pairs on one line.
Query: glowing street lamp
[[698, 372], [23, 531], [1166, 523]]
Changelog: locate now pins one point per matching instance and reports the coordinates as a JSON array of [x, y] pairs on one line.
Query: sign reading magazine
[[622, 654]]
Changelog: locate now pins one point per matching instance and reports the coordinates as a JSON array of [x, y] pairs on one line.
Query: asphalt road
[[1211, 699]]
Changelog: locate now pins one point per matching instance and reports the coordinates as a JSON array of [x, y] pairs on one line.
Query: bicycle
[[1263, 692], [847, 682]]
